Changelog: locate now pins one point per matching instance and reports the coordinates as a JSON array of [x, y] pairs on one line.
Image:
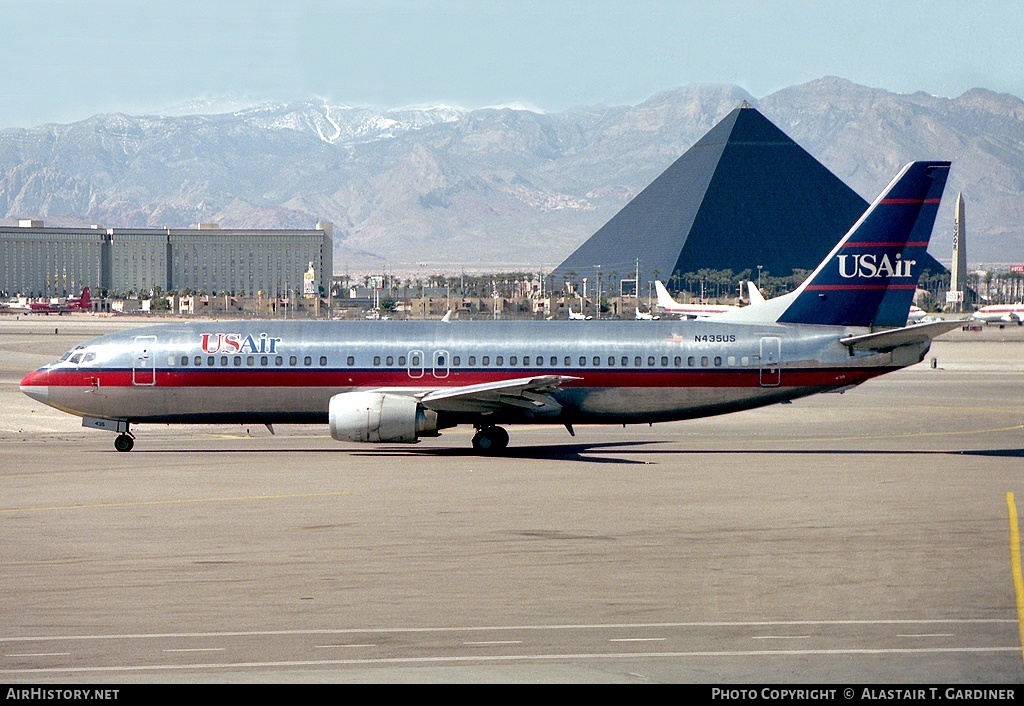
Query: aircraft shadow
[[555, 452], [600, 452]]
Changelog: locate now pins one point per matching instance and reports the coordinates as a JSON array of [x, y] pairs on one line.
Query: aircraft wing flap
[[522, 393], [893, 338]]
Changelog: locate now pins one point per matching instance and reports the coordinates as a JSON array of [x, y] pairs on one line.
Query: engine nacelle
[[377, 416]]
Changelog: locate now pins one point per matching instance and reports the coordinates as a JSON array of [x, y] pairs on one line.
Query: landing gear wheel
[[124, 443], [490, 440]]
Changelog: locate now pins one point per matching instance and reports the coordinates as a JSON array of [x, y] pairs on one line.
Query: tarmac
[[842, 539]]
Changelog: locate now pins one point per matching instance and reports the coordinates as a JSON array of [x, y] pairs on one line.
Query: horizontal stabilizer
[[893, 338]]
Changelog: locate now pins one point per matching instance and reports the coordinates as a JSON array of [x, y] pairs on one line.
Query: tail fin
[[753, 293], [870, 277], [665, 300], [86, 299]]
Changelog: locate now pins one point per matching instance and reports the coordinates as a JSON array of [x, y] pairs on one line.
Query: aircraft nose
[[36, 386]]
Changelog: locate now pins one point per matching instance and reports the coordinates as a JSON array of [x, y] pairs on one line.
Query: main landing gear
[[490, 439], [124, 442]]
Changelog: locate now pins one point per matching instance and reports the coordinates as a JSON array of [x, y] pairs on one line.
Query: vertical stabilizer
[[870, 277]]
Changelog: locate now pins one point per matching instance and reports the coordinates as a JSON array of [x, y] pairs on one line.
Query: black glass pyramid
[[744, 195]]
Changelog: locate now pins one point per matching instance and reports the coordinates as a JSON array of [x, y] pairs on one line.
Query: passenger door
[[144, 361], [771, 355]]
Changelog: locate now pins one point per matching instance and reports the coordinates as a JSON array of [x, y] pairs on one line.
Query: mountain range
[[442, 187]]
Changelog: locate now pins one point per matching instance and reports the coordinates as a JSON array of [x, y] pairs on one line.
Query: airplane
[[645, 316], [689, 311], [573, 316], [916, 314], [83, 303], [401, 381], [1000, 314]]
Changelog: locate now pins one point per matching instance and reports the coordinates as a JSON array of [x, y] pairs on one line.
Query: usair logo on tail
[[870, 265]]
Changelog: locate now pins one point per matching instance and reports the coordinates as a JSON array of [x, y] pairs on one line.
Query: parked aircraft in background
[[688, 311], [916, 314], [573, 316], [645, 316], [400, 381], [83, 303], [1000, 314], [753, 293]]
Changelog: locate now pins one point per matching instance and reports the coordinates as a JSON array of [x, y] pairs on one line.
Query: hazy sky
[[69, 59]]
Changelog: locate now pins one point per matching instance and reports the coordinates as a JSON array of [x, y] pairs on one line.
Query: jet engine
[[377, 416]]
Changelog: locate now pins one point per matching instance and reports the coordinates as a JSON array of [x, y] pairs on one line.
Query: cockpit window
[[76, 358], [89, 357], [67, 355]]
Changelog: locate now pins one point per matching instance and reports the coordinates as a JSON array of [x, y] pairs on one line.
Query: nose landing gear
[[124, 442], [490, 439]]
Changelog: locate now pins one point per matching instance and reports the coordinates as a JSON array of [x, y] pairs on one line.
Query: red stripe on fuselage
[[589, 378]]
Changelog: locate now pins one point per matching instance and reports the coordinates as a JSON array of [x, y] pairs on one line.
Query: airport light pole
[[597, 301], [759, 277]]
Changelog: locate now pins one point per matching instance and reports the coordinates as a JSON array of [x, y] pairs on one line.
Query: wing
[[528, 394]]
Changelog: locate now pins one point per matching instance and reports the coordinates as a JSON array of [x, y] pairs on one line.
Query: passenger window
[[292, 360], [308, 360], [637, 362], [250, 360], [553, 360], [664, 361], [376, 360], [568, 361], [264, 360], [583, 360], [401, 360], [238, 361], [500, 360], [513, 360], [351, 360], [184, 360], [279, 360], [625, 361], [472, 360], [744, 361], [323, 361], [198, 360], [526, 360], [486, 360], [691, 361], [677, 361], [210, 360], [611, 361], [732, 361], [597, 362], [456, 360], [170, 360], [390, 360], [718, 361], [650, 361], [224, 360], [440, 361], [704, 361]]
